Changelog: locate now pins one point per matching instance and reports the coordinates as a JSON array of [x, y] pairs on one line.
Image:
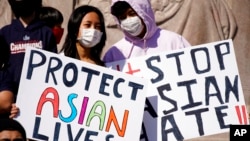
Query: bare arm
[[6, 100]]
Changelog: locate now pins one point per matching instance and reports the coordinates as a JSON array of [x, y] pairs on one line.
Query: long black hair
[[69, 46]]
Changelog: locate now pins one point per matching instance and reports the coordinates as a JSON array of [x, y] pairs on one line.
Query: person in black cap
[[11, 130], [26, 30]]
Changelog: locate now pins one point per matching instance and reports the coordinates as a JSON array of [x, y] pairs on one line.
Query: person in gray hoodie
[[141, 34]]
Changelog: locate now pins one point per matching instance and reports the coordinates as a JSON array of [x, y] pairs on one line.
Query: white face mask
[[132, 25], [90, 37]]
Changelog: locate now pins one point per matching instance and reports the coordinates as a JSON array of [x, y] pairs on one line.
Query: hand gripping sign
[[61, 98]]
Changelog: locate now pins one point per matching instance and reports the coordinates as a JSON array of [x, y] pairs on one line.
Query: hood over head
[[144, 10]]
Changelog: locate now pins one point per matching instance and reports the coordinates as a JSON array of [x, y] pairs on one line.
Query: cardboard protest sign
[[61, 98], [194, 91]]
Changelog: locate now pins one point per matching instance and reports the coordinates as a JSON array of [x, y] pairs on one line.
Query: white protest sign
[[194, 91], [61, 98]]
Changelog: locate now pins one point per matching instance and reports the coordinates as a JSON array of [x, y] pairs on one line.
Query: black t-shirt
[[4, 53]]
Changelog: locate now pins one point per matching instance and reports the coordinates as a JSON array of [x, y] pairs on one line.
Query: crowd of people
[[35, 24]]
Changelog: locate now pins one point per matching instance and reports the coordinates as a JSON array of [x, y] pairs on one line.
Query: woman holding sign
[[86, 35]]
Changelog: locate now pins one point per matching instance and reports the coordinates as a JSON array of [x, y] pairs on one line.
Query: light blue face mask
[[132, 25]]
